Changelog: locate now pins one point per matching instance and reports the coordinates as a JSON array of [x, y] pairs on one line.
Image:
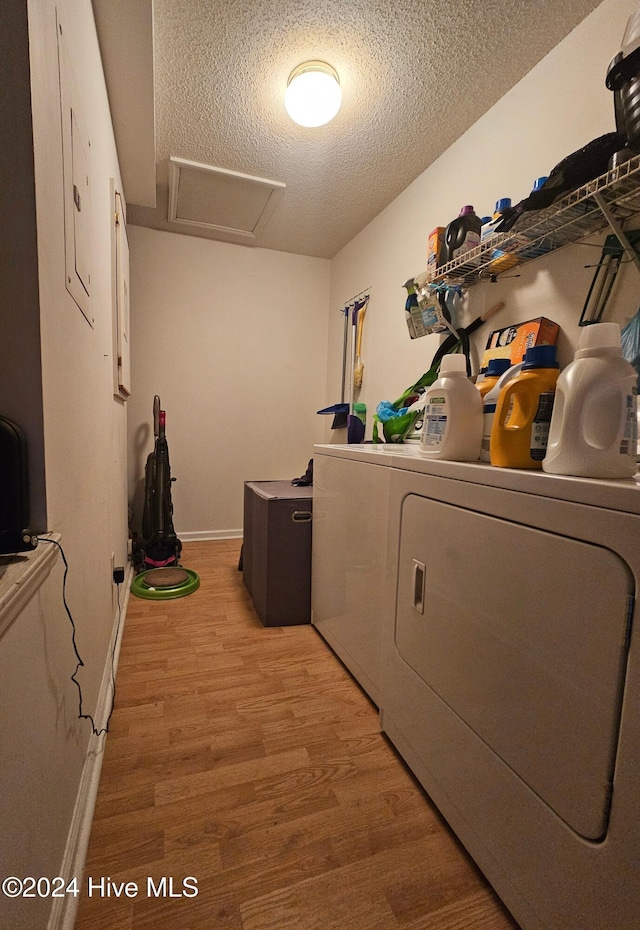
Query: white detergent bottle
[[453, 414], [593, 431], [489, 403]]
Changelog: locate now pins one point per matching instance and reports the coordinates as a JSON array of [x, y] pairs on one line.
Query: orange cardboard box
[[434, 248], [513, 341]]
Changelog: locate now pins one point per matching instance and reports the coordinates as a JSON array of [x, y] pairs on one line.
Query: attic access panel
[[235, 206]]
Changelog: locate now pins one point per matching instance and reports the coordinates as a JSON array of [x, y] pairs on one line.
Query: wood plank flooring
[[247, 758]]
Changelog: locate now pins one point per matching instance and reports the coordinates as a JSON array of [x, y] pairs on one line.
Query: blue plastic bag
[[630, 340]]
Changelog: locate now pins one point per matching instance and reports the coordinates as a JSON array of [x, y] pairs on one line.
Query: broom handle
[[360, 327], [344, 354]]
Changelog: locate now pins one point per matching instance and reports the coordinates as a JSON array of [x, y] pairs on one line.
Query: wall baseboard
[[203, 535], [63, 911]]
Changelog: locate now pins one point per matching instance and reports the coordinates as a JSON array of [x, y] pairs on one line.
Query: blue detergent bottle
[[489, 223]]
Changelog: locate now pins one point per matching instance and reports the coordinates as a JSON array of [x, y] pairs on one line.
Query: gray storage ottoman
[[276, 551]]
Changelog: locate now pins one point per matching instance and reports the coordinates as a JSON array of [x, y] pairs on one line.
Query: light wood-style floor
[[248, 758]]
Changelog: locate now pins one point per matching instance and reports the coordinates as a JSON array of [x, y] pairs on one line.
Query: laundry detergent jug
[[593, 431], [452, 415], [463, 233], [489, 404], [520, 430]]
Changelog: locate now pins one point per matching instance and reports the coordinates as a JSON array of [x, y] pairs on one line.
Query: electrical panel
[[76, 161]]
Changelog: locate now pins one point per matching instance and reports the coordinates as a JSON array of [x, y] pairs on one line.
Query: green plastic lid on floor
[[155, 583]]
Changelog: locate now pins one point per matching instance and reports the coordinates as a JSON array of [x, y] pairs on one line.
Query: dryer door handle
[[418, 586]]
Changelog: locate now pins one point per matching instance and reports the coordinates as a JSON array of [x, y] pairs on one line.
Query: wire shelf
[[568, 220]]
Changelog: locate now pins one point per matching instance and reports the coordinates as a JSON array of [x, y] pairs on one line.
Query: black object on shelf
[[14, 490]]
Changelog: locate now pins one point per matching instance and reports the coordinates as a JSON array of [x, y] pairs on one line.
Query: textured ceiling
[[415, 74]]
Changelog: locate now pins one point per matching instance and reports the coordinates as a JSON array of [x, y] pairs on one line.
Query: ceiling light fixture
[[313, 95]]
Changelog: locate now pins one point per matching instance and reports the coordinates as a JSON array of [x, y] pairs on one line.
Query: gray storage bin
[[276, 551]]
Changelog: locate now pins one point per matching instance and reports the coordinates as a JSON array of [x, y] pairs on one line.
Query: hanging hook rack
[[366, 293], [492, 277]]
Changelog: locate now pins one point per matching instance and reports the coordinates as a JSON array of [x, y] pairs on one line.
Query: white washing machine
[[511, 681], [349, 589]]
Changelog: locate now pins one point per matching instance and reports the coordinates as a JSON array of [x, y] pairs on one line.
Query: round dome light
[[313, 94]]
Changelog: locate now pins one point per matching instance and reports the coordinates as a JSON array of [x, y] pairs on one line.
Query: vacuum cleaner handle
[[156, 416]]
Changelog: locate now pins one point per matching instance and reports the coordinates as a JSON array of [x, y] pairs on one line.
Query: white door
[[535, 669]]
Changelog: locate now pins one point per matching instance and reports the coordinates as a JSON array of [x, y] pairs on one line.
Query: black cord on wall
[[81, 715]]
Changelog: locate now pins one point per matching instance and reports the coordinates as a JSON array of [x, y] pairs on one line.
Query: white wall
[[85, 426], [233, 340], [559, 106], [84, 432], [42, 748]]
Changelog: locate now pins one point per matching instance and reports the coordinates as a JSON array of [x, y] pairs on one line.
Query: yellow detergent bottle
[[502, 260], [520, 428], [495, 368]]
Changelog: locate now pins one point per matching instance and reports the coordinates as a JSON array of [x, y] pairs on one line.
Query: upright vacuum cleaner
[[156, 555]]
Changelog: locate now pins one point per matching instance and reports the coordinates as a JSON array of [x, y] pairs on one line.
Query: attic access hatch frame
[[232, 205]]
